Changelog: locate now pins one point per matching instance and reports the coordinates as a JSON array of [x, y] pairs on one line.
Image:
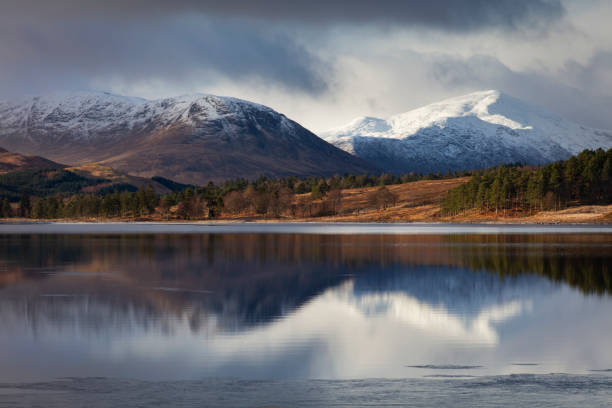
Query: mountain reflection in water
[[303, 305]]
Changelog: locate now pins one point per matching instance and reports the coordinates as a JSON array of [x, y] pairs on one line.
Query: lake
[[305, 315]]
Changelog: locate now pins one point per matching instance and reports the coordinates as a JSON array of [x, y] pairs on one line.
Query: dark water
[[243, 316]]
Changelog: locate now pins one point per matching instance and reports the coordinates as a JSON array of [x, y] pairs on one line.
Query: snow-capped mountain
[[477, 130], [190, 138]]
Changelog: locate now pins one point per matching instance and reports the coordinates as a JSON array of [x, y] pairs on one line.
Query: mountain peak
[[482, 98], [76, 97], [92, 114], [489, 106], [476, 130]]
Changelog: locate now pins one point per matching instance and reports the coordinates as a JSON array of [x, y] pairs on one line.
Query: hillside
[[41, 177], [416, 201], [115, 178], [15, 162], [475, 131], [192, 139]]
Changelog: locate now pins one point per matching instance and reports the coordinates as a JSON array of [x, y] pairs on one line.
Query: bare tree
[[382, 198], [235, 202], [250, 196], [192, 208], [304, 205], [279, 201], [333, 201]]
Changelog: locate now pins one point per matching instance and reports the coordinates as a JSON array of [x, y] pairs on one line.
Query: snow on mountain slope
[[477, 130], [94, 114], [189, 138]]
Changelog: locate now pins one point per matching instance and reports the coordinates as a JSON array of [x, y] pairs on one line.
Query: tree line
[[588, 269], [264, 196], [116, 204], [319, 186], [582, 179]]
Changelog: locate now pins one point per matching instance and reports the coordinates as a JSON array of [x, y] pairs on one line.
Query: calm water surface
[[306, 315]]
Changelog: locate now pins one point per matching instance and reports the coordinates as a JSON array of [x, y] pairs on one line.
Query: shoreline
[[290, 222], [523, 222], [398, 215], [299, 228]]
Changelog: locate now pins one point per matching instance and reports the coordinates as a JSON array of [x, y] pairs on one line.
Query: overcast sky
[[321, 62]]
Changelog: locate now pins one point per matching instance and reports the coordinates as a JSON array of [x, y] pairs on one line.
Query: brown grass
[[417, 202], [420, 202]]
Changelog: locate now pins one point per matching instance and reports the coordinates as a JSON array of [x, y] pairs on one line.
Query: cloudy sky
[[321, 62]]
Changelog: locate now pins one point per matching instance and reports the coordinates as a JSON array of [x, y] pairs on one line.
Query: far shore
[[581, 215], [416, 202]]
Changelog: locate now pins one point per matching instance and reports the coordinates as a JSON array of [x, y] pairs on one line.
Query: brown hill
[[114, 177], [15, 162], [97, 176]]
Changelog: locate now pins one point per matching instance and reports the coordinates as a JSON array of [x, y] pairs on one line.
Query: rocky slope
[[479, 130], [190, 139]]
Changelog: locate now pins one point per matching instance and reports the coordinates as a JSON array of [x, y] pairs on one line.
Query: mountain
[[191, 139], [14, 162], [479, 130]]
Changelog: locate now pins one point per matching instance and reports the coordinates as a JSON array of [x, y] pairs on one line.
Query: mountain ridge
[[477, 130]]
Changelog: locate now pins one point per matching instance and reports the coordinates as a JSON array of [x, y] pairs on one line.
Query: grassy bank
[[417, 201]]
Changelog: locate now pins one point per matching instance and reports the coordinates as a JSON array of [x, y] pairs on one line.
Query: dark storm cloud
[[181, 49], [68, 43], [445, 14]]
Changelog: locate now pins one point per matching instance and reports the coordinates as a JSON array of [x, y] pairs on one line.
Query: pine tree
[[151, 199], [25, 205], [555, 183], [606, 178], [5, 208]]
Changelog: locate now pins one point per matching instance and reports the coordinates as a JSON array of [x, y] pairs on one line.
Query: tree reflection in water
[[230, 282]]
